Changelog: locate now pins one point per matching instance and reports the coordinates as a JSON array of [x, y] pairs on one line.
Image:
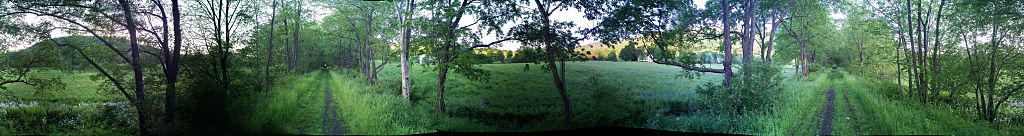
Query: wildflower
[[677, 118], [657, 115]]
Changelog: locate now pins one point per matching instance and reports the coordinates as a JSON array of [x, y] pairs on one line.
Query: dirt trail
[[332, 123], [827, 112]]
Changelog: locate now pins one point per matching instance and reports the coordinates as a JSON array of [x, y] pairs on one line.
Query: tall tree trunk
[[747, 37], [295, 48], [287, 48], [803, 58], [936, 47], [225, 49], [727, 42], [442, 75], [559, 83], [992, 77], [771, 38], [140, 92], [172, 77], [899, 47], [922, 54], [405, 50], [444, 55], [270, 47]]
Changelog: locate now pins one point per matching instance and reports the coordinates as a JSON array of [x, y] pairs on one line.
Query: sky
[[571, 15]]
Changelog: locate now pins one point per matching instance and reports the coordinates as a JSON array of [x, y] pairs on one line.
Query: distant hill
[[598, 49], [91, 45], [80, 41]]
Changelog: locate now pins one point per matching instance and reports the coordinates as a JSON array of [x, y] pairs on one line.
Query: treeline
[[952, 50], [947, 52], [202, 59]]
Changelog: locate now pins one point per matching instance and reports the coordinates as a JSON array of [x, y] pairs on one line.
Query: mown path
[[332, 123]]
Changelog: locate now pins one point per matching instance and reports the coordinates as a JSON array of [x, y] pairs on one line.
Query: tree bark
[[225, 49], [727, 42], [936, 47], [405, 50], [442, 74], [140, 92], [748, 32], [287, 48], [559, 83], [294, 66], [445, 55], [270, 45], [174, 63]]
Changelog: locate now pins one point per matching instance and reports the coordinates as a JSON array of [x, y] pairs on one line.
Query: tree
[[364, 26], [612, 57], [446, 41], [629, 53], [538, 30], [994, 66], [15, 66], [663, 23], [525, 54], [221, 20], [270, 45], [405, 10], [809, 27], [96, 19]]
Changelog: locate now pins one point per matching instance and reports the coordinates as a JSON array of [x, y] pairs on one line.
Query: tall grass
[[293, 106], [883, 115], [367, 112], [796, 112]]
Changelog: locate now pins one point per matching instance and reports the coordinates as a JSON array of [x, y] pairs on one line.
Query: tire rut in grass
[[853, 115], [828, 112], [332, 124]]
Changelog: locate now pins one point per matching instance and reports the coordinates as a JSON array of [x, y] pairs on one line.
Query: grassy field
[[79, 88], [628, 94], [515, 99]]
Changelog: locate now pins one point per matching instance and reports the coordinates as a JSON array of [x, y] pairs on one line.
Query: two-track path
[[828, 113], [332, 122]]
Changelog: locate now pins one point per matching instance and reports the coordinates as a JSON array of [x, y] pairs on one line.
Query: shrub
[[755, 92], [82, 119]]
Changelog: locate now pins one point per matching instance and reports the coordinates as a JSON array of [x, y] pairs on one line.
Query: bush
[[756, 92], [58, 119]]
